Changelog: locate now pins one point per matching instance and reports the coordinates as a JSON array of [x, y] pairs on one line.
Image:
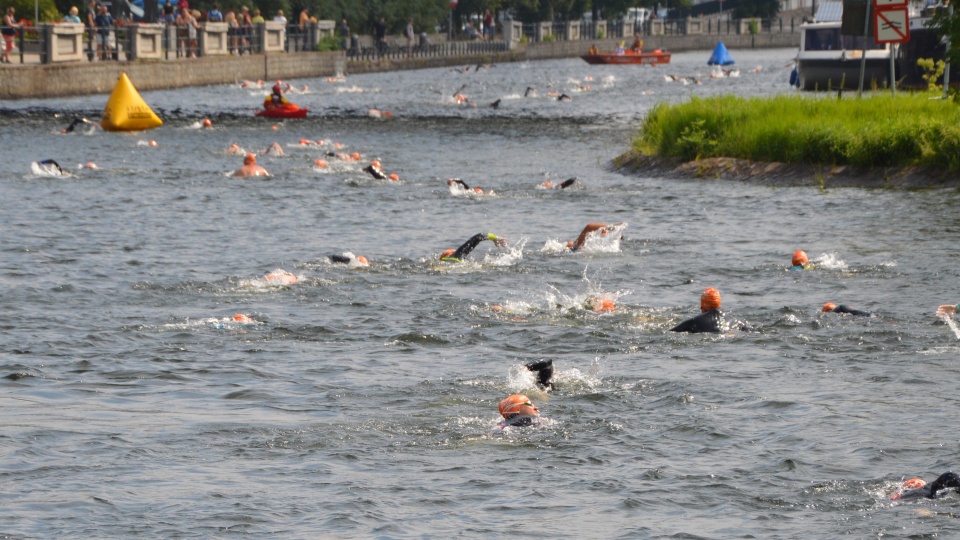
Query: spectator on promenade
[[10, 26], [257, 17], [408, 33], [488, 25], [103, 22], [233, 31], [73, 16], [246, 25], [279, 17], [193, 45], [90, 15], [214, 15], [344, 34], [472, 32], [380, 31]]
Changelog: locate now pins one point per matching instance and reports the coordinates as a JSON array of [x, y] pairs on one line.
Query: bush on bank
[[875, 131]]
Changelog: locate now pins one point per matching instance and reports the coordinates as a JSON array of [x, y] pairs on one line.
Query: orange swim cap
[[320, 163], [355, 156], [363, 260], [478, 191], [306, 141], [249, 159], [547, 184], [710, 299], [240, 317], [914, 483], [375, 164], [207, 123], [394, 177], [447, 252], [511, 405], [152, 142], [799, 257], [829, 306], [570, 244]]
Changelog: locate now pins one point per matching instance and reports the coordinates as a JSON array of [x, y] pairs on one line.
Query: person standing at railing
[[233, 31], [214, 15], [246, 23], [344, 34], [488, 25], [9, 32], [380, 31], [408, 33], [257, 17], [103, 22], [72, 16], [190, 17]]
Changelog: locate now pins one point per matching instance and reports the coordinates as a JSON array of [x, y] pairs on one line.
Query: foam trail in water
[[952, 324]]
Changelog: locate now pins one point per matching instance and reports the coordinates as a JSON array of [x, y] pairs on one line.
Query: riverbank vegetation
[[876, 131]]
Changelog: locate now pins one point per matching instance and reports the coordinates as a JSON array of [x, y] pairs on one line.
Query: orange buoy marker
[[126, 110]]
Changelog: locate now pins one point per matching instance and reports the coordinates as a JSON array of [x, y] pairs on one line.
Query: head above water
[[799, 258], [710, 299], [249, 159], [518, 404], [914, 483], [828, 307]]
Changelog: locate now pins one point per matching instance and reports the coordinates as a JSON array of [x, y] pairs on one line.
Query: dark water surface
[[363, 402]]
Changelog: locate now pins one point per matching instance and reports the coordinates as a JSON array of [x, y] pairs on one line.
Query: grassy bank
[[877, 131]]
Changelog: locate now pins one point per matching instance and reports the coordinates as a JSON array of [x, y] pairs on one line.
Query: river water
[[362, 402]]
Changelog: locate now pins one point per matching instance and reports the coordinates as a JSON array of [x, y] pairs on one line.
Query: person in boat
[[250, 167], [457, 255], [73, 125], [276, 96], [637, 46], [604, 228], [543, 371], [917, 488], [830, 307], [518, 411], [593, 49], [349, 259], [800, 261], [710, 318], [620, 48]]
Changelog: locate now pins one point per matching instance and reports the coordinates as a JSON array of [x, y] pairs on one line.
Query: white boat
[[829, 60]]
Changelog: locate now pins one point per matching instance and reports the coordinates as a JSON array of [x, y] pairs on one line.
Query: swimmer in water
[[458, 182], [915, 488], [543, 370], [518, 411], [73, 125], [590, 228], [274, 150], [281, 277], [947, 310], [250, 167], [375, 170], [830, 307], [50, 166], [709, 320], [349, 258], [235, 150], [461, 252], [563, 185], [800, 261]]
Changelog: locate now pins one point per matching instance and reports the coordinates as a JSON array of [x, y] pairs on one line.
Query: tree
[[947, 24], [764, 9]]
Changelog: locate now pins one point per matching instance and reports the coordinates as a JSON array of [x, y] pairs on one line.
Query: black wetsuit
[[76, 122], [467, 247], [930, 491], [340, 259], [461, 183], [375, 172], [520, 421], [544, 371], [51, 162], [844, 309], [708, 321], [568, 182]]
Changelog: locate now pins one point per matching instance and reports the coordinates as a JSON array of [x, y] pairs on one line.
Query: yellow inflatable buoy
[[126, 110]]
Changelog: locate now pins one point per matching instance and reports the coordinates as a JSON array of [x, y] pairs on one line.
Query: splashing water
[[512, 255], [952, 324], [830, 261]]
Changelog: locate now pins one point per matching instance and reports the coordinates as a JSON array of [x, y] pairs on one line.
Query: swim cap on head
[[363, 260], [355, 156], [394, 177], [240, 317], [511, 405], [799, 257], [914, 483], [207, 123], [320, 163], [710, 299], [828, 307], [447, 252], [249, 159], [375, 163]]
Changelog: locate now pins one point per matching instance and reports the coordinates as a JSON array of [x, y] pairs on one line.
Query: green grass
[[879, 130]]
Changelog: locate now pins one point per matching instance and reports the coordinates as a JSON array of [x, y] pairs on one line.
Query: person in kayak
[[830, 307], [916, 488], [277, 91], [457, 255], [518, 411]]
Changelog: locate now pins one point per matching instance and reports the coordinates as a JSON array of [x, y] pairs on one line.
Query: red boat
[[654, 58], [281, 110]]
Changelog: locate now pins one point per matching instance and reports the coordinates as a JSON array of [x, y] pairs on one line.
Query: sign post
[[891, 25]]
